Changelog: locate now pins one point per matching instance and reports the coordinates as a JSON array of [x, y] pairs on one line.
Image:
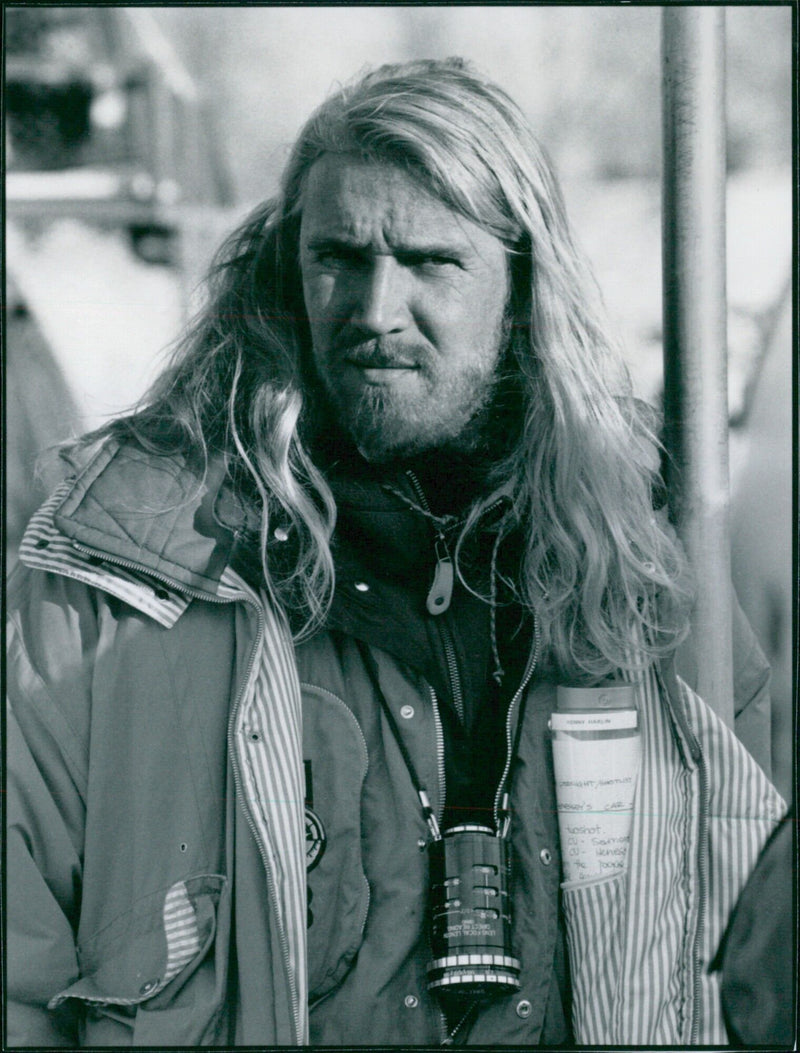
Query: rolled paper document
[[596, 756]]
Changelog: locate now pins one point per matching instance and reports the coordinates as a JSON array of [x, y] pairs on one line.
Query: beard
[[387, 424], [439, 405]]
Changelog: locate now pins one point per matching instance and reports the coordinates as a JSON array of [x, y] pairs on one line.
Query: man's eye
[[430, 261]]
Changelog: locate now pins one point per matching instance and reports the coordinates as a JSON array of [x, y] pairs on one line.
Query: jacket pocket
[[335, 756], [594, 913], [152, 970]]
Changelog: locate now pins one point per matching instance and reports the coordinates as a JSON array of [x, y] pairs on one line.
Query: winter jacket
[[155, 751]]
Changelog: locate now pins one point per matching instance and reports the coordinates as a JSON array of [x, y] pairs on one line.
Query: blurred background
[[137, 137]]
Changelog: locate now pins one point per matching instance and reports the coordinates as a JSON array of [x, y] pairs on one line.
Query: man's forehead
[[353, 199]]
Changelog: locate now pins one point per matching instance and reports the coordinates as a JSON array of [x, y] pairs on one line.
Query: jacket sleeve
[[46, 775]]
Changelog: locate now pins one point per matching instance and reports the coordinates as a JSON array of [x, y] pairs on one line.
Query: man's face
[[406, 303]]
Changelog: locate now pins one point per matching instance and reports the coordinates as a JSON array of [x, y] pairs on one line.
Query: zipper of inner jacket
[[445, 632], [174, 586], [452, 670]]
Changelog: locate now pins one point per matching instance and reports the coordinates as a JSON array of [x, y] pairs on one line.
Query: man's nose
[[381, 297]]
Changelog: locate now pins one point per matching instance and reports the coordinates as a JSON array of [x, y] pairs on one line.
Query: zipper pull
[[441, 591]]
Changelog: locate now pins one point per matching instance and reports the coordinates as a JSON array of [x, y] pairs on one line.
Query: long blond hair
[[604, 576]]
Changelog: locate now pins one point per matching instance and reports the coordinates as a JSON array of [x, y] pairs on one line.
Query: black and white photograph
[[400, 526]]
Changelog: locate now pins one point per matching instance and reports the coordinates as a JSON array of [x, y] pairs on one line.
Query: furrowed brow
[[324, 243]]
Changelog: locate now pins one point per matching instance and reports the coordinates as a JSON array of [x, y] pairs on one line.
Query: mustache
[[381, 353]]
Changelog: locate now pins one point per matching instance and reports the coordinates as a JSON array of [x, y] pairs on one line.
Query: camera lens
[[470, 914]]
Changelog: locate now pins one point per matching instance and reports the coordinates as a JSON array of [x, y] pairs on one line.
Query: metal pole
[[695, 316]]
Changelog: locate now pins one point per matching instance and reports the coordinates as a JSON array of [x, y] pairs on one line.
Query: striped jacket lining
[[180, 926], [267, 738], [45, 548], [639, 968]]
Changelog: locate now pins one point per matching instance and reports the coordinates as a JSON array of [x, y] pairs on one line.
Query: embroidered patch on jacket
[[316, 839]]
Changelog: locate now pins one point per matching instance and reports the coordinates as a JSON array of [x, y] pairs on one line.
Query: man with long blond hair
[[299, 621]]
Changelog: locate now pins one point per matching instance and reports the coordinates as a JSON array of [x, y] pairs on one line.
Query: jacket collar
[[152, 514], [146, 529]]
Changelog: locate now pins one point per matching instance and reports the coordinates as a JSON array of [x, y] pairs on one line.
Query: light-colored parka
[[154, 751]]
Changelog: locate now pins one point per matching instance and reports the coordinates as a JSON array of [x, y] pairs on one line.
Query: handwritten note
[[595, 786]]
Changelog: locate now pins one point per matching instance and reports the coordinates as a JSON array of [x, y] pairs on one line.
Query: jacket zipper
[[437, 721], [140, 568], [197, 594], [420, 495], [452, 670], [533, 659], [443, 552], [440, 592], [446, 635], [450, 1039]]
